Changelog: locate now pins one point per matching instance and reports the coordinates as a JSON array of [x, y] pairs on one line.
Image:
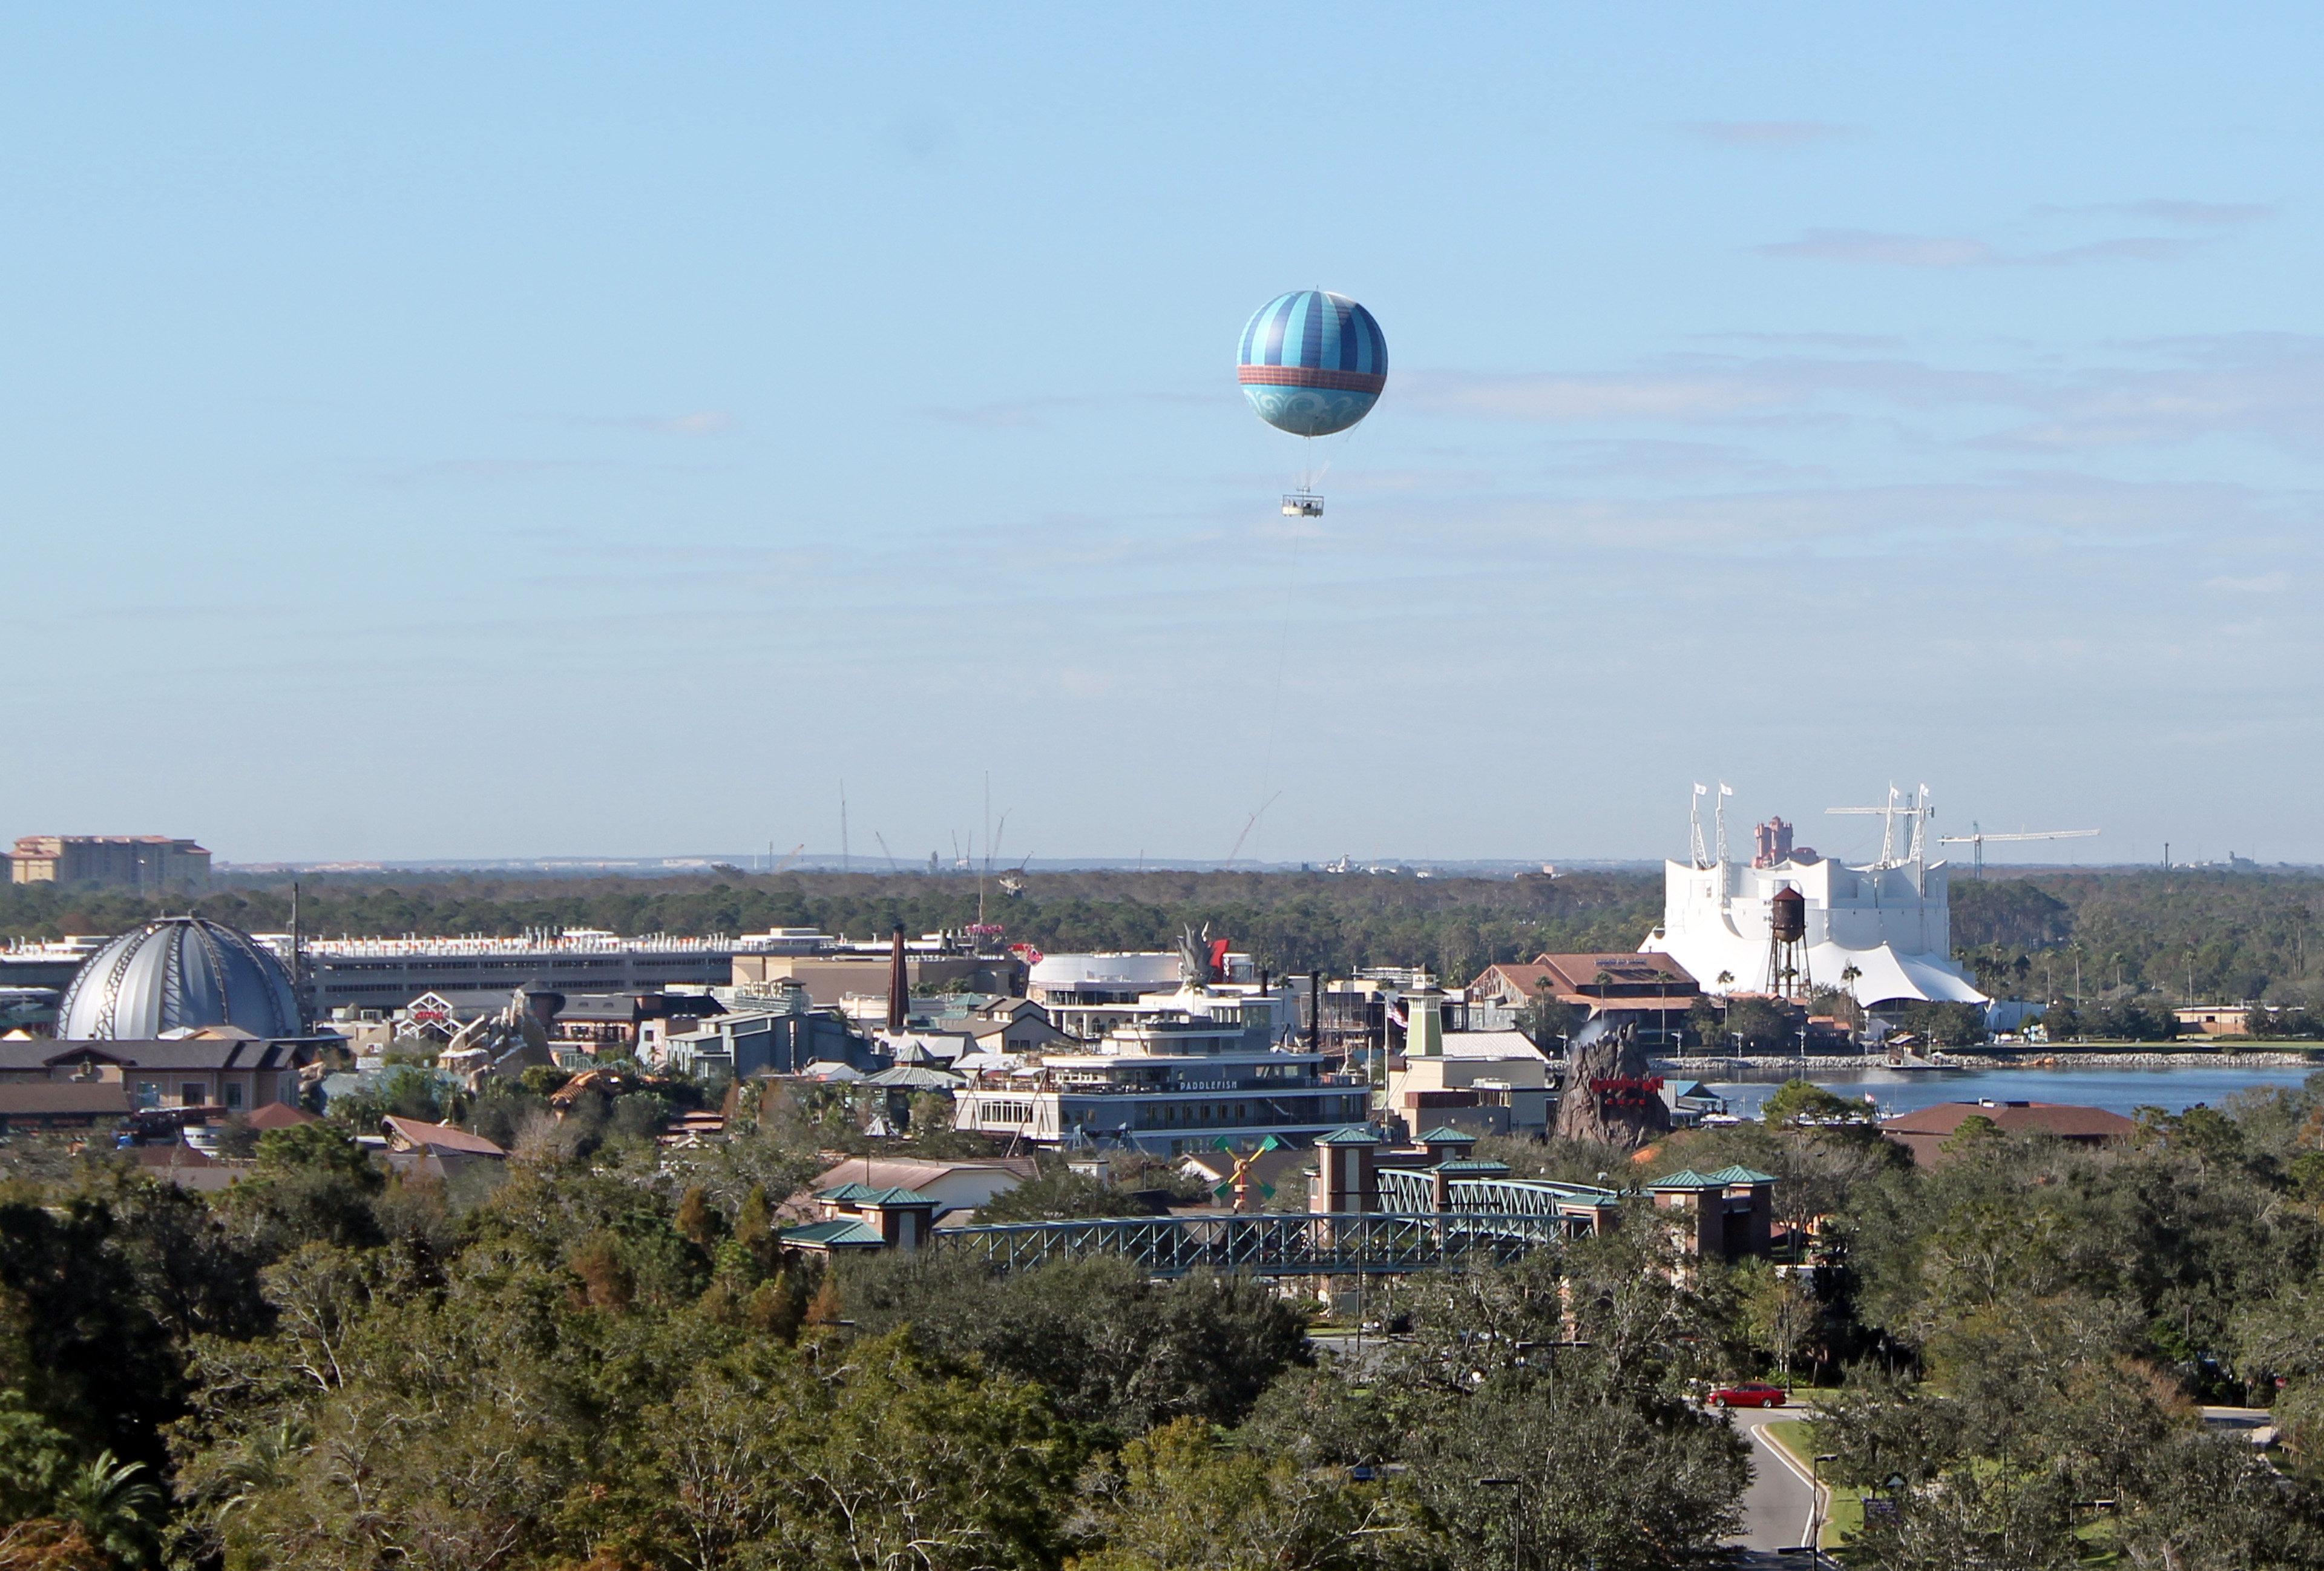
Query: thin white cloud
[[2038, 513], [1872, 249], [1699, 389], [1667, 396], [2264, 386], [2185, 212], [2129, 248], [2168, 211]]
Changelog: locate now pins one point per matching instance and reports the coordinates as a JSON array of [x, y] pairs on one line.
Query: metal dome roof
[[179, 973]]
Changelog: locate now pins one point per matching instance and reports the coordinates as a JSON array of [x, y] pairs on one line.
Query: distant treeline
[[1288, 921], [2194, 934], [2217, 935]]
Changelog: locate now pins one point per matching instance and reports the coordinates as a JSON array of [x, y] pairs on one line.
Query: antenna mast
[[843, 825], [1694, 826], [297, 963]]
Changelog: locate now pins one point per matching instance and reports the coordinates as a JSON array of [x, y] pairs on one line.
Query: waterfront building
[[1927, 1132], [1478, 1082], [1646, 989], [2223, 1019], [1086, 997], [1209, 1066]]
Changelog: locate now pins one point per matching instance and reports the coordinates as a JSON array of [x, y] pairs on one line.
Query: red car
[[1748, 1396]]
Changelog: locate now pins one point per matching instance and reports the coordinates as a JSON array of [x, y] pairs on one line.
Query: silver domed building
[[179, 973]]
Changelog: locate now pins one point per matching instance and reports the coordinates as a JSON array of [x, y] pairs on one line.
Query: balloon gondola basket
[[1302, 505]]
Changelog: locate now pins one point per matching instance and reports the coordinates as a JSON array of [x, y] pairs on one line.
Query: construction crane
[[890, 855], [787, 860], [1252, 823], [1916, 807], [1977, 838]]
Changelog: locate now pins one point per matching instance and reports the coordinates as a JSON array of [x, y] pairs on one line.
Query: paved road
[[1778, 1502]]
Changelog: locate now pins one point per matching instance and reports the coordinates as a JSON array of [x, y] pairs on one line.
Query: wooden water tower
[[1788, 944]]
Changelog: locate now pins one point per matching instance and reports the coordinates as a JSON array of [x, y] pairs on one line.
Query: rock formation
[[1612, 1095]]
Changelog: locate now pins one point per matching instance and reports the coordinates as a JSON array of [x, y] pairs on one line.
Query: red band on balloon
[[1310, 377]]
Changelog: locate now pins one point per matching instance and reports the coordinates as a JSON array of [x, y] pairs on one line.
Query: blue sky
[[542, 429]]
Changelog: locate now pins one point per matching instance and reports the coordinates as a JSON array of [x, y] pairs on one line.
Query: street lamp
[[1815, 1508], [1506, 1484]]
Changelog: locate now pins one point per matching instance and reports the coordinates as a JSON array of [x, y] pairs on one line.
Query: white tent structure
[[1887, 923]]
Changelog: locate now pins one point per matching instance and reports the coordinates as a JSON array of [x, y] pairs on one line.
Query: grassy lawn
[[1797, 1436]]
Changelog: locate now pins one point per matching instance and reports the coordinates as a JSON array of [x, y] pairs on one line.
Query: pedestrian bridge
[[1582, 1208], [1269, 1244]]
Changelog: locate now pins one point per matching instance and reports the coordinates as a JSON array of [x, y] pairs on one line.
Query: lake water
[[2118, 1090]]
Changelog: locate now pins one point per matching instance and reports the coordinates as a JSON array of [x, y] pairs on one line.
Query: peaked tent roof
[[912, 1077]]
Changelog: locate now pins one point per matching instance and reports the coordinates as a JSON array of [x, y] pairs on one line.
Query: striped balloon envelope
[[1313, 363]]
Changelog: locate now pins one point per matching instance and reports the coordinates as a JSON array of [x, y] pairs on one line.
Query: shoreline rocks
[[2066, 1057]]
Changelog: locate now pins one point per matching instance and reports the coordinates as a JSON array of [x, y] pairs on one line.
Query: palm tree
[[1849, 976], [113, 1504]]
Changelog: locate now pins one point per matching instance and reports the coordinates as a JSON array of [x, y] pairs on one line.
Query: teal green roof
[[1687, 1178], [1353, 1134], [866, 1195], [1473, 1169], [845, 1233], [1444, 1134], [1740, 1175]]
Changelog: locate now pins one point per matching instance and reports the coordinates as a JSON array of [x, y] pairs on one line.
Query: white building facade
[[1886, 923]]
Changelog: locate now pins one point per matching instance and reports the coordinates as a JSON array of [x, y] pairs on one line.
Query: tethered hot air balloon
[[1312, 363]]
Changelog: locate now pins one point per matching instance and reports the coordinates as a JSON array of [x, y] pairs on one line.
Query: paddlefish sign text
[[1627, 1090]]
